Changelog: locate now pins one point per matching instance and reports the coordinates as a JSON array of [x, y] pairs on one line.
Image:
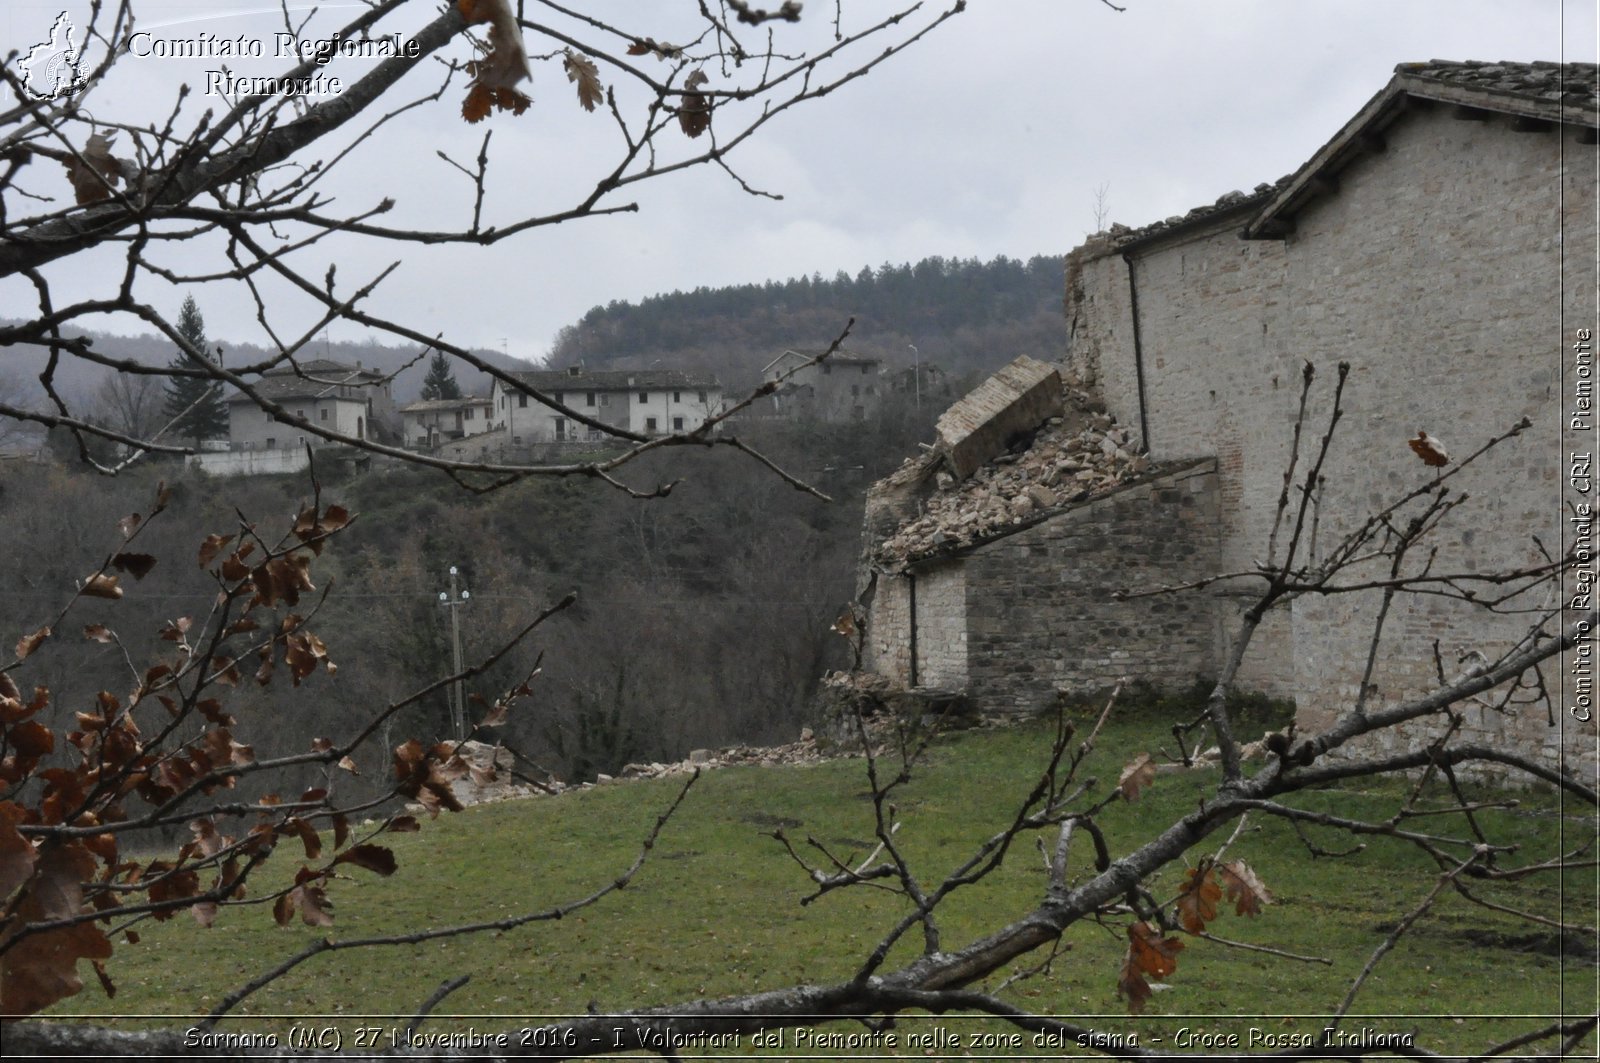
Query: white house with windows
[[433, 422], [647, 401], [340, 398]]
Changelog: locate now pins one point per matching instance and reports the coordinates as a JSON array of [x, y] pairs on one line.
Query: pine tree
[[440, 383], [195, 402]]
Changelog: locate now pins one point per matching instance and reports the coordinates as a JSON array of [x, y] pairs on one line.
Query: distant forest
[[964, 315]]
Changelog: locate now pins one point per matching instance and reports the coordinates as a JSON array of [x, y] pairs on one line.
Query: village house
[[645, 401], [843, 387], [431, 423], [342, 398], [1443, 244]]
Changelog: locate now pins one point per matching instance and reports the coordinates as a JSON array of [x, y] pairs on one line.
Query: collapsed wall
[[1008, 584]]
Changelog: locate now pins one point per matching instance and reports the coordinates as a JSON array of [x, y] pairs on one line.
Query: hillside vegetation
[[702, 618], [964, 315]]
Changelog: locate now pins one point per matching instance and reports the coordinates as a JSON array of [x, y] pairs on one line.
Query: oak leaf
[[40, 969], [311, 899], [136, 565], [372, 857], [582, 71], [30, 740], [17, 854], [501, 66], [101, 585], [1198, 897], [1244, 888], [1148, 953], [94, 172], [1429, 449], [694, 115], [308, 835], [650, 46], [28, 643], [211, 547], [1139, 773], [313, 528]]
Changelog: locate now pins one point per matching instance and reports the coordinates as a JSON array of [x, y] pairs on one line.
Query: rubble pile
[[1069, 459], [807, 750]]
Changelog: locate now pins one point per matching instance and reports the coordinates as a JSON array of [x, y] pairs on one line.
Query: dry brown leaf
[[136, 565], [95, 172], [28, 643], [694, 115], [40, 969], [1131, 985], [1430, 450], [303, 651], [1148, 953], [503, 64], [1198, 897], [1244, 888], [372, 857], [17, 854], [99, 633], [313, 528], [650, 46], [1139, 774], [581, 69], [101, 585], [212, 546]]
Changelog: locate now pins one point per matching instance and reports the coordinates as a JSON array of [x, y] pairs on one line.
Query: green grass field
[[716, 910]]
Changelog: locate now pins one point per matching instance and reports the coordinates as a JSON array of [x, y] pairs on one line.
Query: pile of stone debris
[[494, 775], [1070, 458]]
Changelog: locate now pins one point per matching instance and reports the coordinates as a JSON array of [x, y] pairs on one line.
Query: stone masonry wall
[[1040, 611], [887, 650], [941, 602], [1437, 270]]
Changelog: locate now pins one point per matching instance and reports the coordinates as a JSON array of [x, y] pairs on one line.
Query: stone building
[[1443, 243], [995, 560], [341, 398], [846, 386], [430, 423]]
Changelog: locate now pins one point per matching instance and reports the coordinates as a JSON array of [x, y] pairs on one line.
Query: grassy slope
[[716, 910]]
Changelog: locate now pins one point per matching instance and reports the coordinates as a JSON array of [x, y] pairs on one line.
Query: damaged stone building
[[1443, 242]]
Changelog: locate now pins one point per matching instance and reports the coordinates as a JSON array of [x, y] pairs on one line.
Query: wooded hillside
[[962, 314]]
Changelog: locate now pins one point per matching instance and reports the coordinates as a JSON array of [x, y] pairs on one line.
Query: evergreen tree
[[196, 403], [440, 383]]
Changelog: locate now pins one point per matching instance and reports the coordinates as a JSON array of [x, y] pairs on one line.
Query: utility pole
[[916, 371], [453, 602]]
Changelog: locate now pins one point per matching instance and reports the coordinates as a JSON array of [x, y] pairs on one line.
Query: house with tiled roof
[[429, 423], [1443, 243], [844, 386], [341, 398], [582, 403]]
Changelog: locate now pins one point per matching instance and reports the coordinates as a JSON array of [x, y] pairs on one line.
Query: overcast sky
[[991, 137]]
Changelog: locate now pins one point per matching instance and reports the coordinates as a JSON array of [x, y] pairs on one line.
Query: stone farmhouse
[[844, 387], [342, 398], [647, 401], [1443, 243], [430, 423]]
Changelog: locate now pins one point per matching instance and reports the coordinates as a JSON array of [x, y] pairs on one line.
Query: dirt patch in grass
[[765, 819], [1576, 947]]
